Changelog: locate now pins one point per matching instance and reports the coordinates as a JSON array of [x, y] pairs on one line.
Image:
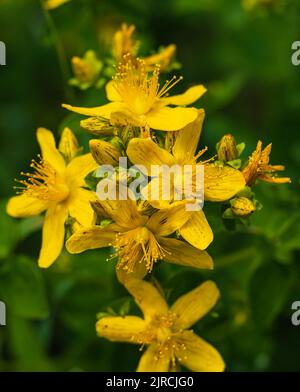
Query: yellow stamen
[[138, 90], [44, 183], [137, 246]]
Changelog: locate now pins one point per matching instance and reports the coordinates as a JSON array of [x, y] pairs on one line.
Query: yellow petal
[[146, 152], [157, 194], [147, 297], [99, 111], [192, 306], [166, 221], [78, 169], [139, 272], [187, 140], [53, 234], [190, 96], [49, 151], [163, 58], [197, 231], [92, 237], [123, 212], [221, 182], [178, 252], [170, 119], [149, 361], [124, 117], [111, 93], [68, 144], [80, 207], [198, 355], [51, 4], [23, 206], [121, 329]]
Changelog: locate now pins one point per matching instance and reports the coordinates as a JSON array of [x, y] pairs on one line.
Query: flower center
[[136, 246], [44, 183], [138, 89]]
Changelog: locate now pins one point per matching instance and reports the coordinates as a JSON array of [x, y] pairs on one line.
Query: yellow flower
[[56, 187], [51, 4], [258, 167], [166, 331], [125, 48], [86, 70], [139, 238], [138, 97], [220, 182]]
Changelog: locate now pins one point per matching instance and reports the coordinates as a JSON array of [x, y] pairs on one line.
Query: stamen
[[139, 90], [43, 183], [137, 246]]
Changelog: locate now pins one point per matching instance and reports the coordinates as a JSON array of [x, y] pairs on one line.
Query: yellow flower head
[[220, 182], [138, 96], [258, 167], [55, 185], [166, 331], [86, 70], [125, 48], [139, 238]]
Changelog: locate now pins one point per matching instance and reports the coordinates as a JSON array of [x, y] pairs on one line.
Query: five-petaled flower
[[56, 186], [140, 238], [258, 167], [166, 331], [139, 101], [220, 182]]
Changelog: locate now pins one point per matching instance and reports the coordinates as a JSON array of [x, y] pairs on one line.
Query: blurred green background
[[241, 50]]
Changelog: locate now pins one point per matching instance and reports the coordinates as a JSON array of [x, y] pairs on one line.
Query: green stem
[[60, 51], [235, 257]]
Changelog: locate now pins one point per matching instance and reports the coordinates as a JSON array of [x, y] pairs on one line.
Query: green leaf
[[23, 289], [26, 346], [269, 289], [9, 231]]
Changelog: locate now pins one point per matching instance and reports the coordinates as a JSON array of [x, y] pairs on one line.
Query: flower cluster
[[147, 125]]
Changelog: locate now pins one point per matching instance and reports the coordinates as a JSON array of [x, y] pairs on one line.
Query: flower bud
[[242, 206], [226, 149], [68, 144], [104, 153], [97, 126], [86, 70], [99, 210]]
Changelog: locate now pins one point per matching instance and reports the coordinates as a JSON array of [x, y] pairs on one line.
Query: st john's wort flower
[[166, 331], [258, 167], [55, 185], [220, 182], [140, 101], [139, 238]]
